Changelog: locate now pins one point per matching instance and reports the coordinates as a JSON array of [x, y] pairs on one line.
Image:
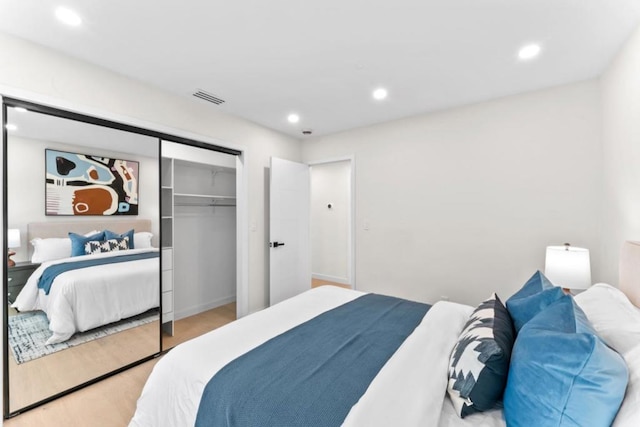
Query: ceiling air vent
[[208, 97]]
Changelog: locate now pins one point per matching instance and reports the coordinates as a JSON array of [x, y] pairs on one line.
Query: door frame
[[351, 250]]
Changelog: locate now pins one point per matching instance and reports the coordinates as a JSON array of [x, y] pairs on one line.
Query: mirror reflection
[[83, 269]]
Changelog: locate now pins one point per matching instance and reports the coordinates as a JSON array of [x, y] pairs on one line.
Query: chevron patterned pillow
[[111, 245], [479, 362]]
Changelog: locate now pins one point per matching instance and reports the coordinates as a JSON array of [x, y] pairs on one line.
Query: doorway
[[290, 228], [332, 222]]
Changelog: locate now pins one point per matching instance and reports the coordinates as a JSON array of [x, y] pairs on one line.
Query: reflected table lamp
[[13, 241], [568, 267]]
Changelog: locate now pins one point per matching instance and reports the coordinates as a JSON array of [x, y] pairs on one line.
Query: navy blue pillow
[[531, 299], [479, 363], [562, 373], [78, 241], [110, 235]]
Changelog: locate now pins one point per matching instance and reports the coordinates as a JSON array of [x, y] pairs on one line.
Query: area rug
[[29, 331]]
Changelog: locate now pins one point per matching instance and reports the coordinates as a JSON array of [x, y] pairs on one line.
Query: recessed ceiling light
[[529, 51], [68, 16], [11, 127], [293, 118], [380, 93], [20, 109]]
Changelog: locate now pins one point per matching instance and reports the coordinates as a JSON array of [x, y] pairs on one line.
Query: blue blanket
[[314, 373], [50, 273]]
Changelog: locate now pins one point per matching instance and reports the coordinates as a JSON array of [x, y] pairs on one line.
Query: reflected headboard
[[629, 279], [61, 229]]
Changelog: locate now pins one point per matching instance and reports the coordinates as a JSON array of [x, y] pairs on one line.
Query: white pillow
[[629, 413], [52, 248], [142, 240], [612, 315], [617, 321]]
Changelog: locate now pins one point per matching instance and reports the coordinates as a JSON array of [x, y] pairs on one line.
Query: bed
[[410, 389], [93, 290]]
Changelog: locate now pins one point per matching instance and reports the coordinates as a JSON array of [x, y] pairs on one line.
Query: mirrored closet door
[[82, 220]]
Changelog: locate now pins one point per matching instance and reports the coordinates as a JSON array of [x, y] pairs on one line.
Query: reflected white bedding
[[86, 298], [410, 389]]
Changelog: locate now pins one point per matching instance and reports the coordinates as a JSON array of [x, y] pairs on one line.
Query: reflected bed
[[124, 285]]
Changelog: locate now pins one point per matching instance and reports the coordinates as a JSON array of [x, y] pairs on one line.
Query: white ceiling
[[322, 59]]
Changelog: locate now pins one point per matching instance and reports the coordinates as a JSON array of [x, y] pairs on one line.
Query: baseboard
[[187, 312], [341, 280]]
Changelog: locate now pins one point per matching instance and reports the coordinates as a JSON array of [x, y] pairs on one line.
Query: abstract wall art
[[81, 184]]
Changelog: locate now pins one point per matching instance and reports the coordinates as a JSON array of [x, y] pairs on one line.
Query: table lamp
[[568, 267], [13, 241]]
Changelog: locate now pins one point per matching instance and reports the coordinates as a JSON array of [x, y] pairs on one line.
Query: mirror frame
[[8, 102]]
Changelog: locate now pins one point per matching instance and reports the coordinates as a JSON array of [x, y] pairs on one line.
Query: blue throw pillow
[[110, 235], [78, 241], [479, 363], [562, 373], [534, 296]]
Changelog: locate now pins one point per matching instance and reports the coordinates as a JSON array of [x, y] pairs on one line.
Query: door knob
[[276, 244]]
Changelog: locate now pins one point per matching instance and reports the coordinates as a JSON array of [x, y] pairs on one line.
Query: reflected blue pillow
[[78, 241], [562, 373], [110, 235], [534, 296]]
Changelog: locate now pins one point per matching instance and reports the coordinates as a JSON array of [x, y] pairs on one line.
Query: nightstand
[[17, 277]]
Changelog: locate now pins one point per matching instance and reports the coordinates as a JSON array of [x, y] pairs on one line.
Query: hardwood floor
[[317, 282], [109, 403], [112, 402], [191, 327], [67, 368]]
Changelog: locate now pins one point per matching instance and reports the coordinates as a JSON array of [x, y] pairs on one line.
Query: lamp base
[[10, 262]]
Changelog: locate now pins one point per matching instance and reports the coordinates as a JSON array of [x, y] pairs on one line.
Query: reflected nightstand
[[17, 277]]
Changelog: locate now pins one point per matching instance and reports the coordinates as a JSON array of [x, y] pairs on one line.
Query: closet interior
[[198, 199]]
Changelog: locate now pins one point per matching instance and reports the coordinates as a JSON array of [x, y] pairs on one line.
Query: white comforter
[[408, 391], [86, 298]]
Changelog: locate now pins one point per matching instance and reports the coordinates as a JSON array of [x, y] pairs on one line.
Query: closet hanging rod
[[203, 204], [204, 196]]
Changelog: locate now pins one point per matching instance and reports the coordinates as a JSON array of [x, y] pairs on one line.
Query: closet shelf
[[185, 199]]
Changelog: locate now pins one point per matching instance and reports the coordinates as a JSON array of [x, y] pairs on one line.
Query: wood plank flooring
[[318, 282], [112, 402], [65, 369], [194, 326]]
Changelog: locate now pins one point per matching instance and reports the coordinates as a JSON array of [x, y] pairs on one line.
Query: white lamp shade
[[568, 267], [13, 238]]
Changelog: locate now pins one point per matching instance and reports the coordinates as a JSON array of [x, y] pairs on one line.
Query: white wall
[[41, 71], [465, 201], [330, 183], [26, 196], [620, 86]]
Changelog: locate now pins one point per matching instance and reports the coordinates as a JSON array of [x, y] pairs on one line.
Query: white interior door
[[290, 261]]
